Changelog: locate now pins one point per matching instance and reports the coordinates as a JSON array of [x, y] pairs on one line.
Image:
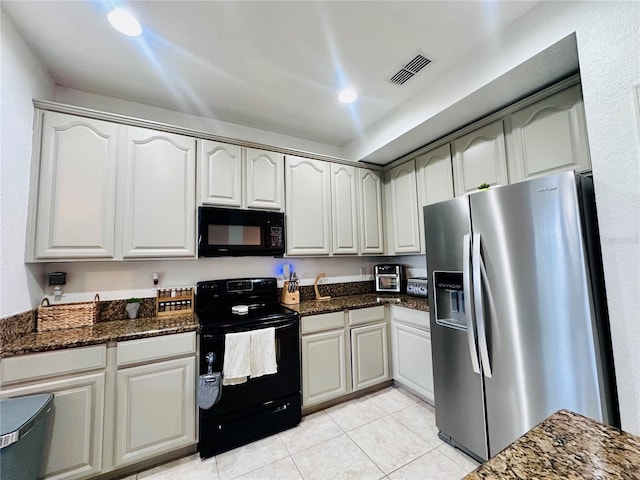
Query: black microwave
[[231, 232]]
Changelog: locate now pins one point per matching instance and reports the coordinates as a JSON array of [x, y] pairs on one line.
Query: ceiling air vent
[[410, 69]]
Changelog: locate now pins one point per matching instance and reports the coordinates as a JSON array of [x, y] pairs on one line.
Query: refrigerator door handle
[[468, 307], [480, 278]]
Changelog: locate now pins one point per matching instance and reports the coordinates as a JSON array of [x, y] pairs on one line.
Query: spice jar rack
[[174, 301]]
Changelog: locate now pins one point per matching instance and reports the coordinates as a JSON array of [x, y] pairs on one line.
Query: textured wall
[[23, 78], [609, 52]]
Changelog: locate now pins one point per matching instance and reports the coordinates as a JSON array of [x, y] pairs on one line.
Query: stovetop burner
[[221, 303]]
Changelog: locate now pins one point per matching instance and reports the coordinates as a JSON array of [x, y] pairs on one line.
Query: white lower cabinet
[[340, 357], [155, 409], [370, 355], [324, 358], [99, 424], [324, 367], [155, 397], [76, 378], [411, 351]]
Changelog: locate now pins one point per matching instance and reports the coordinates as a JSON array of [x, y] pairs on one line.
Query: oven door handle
[[276, 324]]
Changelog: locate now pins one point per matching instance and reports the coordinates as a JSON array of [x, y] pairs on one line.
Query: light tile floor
[[389, 434]]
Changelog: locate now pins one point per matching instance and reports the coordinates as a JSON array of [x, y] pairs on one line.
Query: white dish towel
[[263, 352], [237, 358], [249, 354]]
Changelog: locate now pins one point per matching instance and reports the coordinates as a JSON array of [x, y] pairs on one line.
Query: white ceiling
[[275, 66]]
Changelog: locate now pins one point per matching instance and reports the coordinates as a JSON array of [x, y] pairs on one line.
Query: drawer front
[[49, 364], [409, 316], [155, 348], [324, 321], [366, 315]]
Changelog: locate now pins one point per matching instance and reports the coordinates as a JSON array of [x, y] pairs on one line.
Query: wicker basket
[[69, 315]]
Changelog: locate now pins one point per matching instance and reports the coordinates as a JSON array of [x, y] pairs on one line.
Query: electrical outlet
[[363, 270]]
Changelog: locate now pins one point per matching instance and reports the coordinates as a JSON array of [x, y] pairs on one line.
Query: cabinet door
[[220, 174], [344, 209], [370, 355], [155, 409], [411, 358], [308, 202], [435, 181], [264, 180], [402, 220], [74, 448], [370, 212], [158, 182], [479, 157], [324, 370], [76, 189], [435, 176], [549, 136]]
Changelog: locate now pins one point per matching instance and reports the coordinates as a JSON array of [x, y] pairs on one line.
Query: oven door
[[388, 283], [263, 389]]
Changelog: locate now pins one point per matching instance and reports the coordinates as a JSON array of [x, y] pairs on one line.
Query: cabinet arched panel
[[76, 191], [549, 136], [308, 206], [479, 157], [159, 195], [220, 173], [370, 212], [264, 179], [402, 216], [344, 209]]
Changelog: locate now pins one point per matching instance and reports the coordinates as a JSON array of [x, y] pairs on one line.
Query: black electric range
[[261, 406]]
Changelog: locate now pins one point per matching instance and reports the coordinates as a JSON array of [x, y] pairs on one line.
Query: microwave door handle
[[468, 307], [480, 274]]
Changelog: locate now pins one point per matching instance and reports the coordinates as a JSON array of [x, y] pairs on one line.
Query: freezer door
[[539, 323], [458, 389]]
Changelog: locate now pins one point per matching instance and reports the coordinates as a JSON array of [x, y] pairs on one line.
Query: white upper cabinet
[[370, 212], [435, 181], [435, 176], [220, 174], [479, 157], [344, 209], [402, 210], [264, 180], [308, 206], [547, 137], [76, 188], [237, 177], [157, 181]]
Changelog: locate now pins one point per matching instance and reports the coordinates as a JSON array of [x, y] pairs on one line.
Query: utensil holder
[[289, 298]]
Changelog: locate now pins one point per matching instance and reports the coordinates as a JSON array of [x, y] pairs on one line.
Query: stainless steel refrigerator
[[519, 323]]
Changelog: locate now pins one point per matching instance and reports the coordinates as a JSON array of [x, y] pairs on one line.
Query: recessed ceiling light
[[348, 95], [124, 22]]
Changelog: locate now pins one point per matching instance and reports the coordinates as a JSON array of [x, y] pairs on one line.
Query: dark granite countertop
[[149, 326], [101, 332], [336, 304], [566, 446]]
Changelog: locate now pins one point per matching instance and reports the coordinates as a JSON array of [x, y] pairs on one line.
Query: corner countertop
[[101, 332], [566, 446], [350, 302]]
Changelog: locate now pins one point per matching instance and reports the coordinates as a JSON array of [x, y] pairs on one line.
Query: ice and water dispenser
[[449, 300]]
